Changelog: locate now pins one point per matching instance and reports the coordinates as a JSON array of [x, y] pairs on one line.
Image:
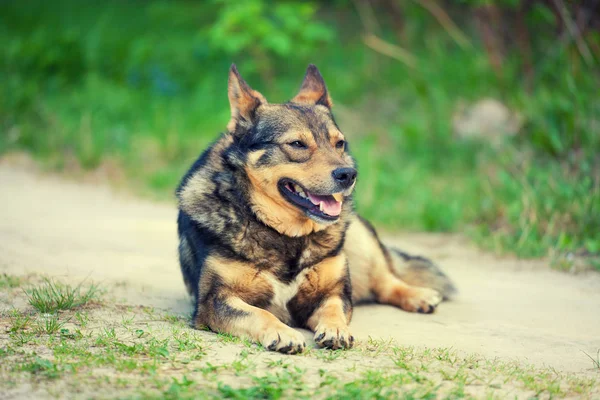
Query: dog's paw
[[287, 341], [332, 336], [421, 300]]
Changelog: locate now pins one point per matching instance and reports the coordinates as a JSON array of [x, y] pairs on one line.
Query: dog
[[268, 235]]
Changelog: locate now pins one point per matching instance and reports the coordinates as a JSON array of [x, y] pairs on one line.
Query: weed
[[41, 366], [270, 386], [18, 321], [187, 341], [402, 357], [82, 318], [329, 355], [281, 363], [54, 296], [178, 387], [22, 338], [595, 360], [158, 348], [175, 319], [127, 321], [49, 324], [228, 338], [10, 281]]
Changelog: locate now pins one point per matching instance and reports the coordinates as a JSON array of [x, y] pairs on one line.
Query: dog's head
[[296, 158]]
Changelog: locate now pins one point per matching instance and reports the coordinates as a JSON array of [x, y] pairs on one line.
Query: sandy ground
[[507, 308]]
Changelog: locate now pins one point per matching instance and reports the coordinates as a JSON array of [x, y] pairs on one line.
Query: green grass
[[138, 89], [10, 281], [49, 324], [18, 321], [42, 367], [595, 360], [54, 296], [148, 354]]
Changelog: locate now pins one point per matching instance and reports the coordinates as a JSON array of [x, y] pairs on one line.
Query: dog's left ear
[[313, 89]]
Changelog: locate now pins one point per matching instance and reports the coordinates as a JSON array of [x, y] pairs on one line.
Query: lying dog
[[268, 235]]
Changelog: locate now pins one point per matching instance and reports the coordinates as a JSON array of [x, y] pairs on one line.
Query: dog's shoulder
[[209, 162]]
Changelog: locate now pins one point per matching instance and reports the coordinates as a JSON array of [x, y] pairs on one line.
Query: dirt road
[[506, 308]]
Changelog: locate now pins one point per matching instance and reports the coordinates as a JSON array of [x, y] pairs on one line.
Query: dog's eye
[[298, 144], [341, 144]]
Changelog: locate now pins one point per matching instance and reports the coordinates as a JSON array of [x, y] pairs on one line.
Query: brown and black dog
[[268, 234]]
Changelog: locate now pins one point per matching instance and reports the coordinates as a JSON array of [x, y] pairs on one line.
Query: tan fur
[[330, 320], [330, 323], [241, 279], [266, 200], [372, 274], [244, 285], [272, 209], [263, 327], [326, 275]]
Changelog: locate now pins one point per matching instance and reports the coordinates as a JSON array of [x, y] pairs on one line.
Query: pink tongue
[[330, 205]]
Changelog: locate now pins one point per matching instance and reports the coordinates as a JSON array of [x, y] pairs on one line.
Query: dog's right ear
[[243, 101]]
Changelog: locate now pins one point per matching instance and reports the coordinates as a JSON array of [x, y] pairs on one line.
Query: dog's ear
[[243, 101], [313, 89]]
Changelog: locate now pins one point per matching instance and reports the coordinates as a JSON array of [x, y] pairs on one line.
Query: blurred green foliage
[[142, 84], [268, 32]]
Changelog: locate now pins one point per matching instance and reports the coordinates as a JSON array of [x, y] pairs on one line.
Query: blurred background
[[472, 116]]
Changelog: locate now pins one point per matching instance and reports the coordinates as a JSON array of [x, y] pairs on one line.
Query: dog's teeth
[[338, 197], [301, 193], [321, 206]]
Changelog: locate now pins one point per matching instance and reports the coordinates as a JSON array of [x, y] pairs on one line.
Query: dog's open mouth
[[326, 207]]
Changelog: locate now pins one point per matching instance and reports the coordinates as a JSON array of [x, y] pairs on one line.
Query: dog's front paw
[[422, 300], [287, 341], [331, 336]]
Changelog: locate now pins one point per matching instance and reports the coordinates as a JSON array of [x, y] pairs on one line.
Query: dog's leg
[[373, 273], [390, 290], [324, 303], [330, 324], [232, 299], [229, 314]]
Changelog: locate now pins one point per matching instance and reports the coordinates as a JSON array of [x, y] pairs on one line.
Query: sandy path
[[507, 308]]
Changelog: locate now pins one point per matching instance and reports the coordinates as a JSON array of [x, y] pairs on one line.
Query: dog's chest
[[283, 293]]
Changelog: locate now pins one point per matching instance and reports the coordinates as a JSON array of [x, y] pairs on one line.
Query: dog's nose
[[344, 176]]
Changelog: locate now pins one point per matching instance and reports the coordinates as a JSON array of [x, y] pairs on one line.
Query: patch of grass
[[18, 320], [160, 364], [82, 318], [380, 385], [139, 357], [228, 338], [186, 341], [10, 281], [328, 355], [22, 338], [53, 296], [270, 386], [179, 388], [49, 324], [43, 367]]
